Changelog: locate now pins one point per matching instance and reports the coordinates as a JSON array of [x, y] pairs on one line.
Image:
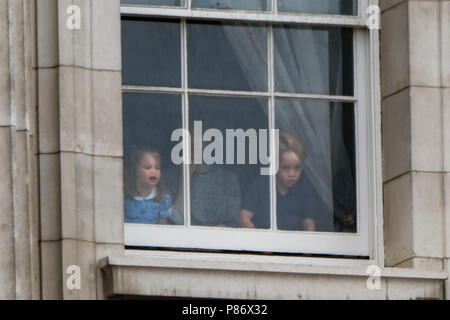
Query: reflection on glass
[[320, 135], [254, 5], [223, 165], [313, 60], [227, 56], [154, 2], [149, 120], [151, 52], [344, 7]]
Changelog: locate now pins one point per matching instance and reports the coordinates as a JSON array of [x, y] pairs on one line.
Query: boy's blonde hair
[[131, 161], [289, 143]]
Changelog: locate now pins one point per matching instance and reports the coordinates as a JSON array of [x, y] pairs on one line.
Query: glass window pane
[[344, 7], [177, 3], [253, 5], [151, 52], [319, 136], [227, 56], [148, 123], [229, 161], [313, 60]]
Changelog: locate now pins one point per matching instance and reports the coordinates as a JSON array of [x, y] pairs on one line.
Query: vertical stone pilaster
[[19, 268], [17, 47], [5, 105], [48, 148], [90, 140], [21, 217], [7, 256], [445, 73], [80, 121], [33, 168], [7, 251], [414, 126]]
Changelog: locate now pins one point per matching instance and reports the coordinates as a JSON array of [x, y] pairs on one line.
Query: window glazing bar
[[273, 184], [248, 94], [199, 14], [186, 143]]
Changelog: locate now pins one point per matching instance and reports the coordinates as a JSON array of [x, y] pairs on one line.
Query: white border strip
[[246, 240], [198, 14], [226, 93]]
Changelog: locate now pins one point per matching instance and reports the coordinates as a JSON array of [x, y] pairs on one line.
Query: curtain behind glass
[[313, 61], [344, 7]]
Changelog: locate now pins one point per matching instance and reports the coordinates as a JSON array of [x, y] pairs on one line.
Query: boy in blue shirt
[[295, 197]]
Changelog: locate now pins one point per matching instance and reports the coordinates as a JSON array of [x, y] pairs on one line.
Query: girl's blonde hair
[[289, 143], [132, 161]]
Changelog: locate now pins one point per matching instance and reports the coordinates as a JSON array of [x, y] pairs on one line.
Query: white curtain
[[309, 51]]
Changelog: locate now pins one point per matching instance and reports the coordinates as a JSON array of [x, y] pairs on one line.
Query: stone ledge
[[204, 275]]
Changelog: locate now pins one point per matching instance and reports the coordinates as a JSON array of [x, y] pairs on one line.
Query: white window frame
[[368, 241]]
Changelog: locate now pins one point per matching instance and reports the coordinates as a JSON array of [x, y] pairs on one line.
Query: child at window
[[295, 197], [146, 200]]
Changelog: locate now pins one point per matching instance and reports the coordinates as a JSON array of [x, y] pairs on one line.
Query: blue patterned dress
[[147, 211]]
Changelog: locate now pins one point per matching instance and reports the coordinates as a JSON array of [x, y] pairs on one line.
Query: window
[[247, 126]]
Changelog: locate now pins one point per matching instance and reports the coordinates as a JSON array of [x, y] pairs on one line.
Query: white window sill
[[232, 276]]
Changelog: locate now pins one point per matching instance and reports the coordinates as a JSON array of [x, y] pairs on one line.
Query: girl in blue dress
[[146, 200]]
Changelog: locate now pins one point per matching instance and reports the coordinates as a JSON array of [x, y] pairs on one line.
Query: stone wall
[[415, 81], [61, 152], [19, 222], [80, 143]]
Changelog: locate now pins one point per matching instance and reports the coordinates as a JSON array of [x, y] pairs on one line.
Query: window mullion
[[186, 139], [362, 9], [273, 191]]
